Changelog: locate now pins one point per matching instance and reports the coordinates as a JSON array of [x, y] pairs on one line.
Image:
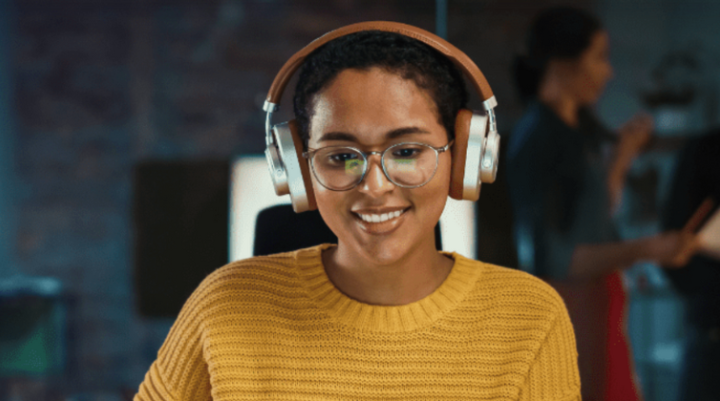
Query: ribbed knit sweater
[[276, 328]]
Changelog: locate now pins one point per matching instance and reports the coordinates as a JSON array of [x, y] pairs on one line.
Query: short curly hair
[[409, 58]]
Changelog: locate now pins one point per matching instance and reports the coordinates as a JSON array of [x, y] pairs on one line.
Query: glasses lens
[[410, 164], [338, 168]]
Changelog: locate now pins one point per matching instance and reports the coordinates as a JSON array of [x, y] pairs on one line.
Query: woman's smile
[[380, 221]]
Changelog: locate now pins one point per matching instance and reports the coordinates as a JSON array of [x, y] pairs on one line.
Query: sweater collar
[[366, 317]]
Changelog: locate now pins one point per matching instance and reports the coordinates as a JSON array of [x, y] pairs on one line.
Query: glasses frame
[[310, 155]]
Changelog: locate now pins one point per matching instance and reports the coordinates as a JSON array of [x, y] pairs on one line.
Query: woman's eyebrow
[[396, 133], [337, 136]]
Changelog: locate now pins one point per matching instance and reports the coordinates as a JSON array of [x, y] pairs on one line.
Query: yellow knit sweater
[[275, 328]]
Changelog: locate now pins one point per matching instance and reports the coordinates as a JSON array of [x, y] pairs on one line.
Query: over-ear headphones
[[476, 147]]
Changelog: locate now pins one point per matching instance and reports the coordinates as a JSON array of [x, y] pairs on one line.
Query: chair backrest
[[258, 226], [279, 229]]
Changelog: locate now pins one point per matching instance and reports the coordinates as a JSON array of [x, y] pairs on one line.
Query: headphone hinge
[[489, 106]]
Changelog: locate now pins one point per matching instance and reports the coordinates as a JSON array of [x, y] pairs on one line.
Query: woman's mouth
[[380, 223], [379, 218]]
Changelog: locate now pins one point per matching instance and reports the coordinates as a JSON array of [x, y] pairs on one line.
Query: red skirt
[[598, 311]]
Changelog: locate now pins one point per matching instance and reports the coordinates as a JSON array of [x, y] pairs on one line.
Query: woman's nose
[[375, 182]]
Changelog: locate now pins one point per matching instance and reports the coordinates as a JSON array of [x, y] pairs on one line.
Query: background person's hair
[[409, 58], [556, 33]]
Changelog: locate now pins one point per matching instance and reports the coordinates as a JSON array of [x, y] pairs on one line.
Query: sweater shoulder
[[255, 279], [257, 265], [515, 290]]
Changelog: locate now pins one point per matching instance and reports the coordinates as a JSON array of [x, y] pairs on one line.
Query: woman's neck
[[401, 282], [554, 94]]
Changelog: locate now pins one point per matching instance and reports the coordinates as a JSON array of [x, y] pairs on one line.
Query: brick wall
[[7, 142]]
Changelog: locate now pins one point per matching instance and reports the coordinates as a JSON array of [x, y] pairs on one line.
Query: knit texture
[[276, 328]]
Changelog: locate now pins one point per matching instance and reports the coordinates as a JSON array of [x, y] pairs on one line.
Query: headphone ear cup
[[296, 167], [468, 149], [459, 153], [304, 165], [490, 161]]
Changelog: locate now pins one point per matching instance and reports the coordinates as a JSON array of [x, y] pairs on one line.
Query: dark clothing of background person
[[698, 177], [557, 181]]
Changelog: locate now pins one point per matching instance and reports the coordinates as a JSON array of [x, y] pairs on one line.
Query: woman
[[564, 190], [382, 315]]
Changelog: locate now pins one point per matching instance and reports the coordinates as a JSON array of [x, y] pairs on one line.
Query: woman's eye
[[342, 157], [405, 153]]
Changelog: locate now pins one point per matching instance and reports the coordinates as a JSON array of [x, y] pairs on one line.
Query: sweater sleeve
[[180, 371], [554, 372]]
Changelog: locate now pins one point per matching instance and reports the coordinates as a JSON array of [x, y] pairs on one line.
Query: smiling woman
[[382, 139]]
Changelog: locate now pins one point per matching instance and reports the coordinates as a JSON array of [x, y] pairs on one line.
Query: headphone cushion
[[459, 152], [304, 164]]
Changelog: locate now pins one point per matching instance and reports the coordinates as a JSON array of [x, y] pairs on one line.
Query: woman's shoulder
[[255, 265], [538, 133], [273, 274], [537, 117], [513, 289]]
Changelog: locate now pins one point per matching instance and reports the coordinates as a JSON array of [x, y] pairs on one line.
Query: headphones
[[476, 147]]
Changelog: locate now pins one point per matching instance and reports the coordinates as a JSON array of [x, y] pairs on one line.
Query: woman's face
[[371, 110], [592, 70]]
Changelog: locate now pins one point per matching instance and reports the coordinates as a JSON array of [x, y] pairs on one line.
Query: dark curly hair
[[556, 33], [409, 58]]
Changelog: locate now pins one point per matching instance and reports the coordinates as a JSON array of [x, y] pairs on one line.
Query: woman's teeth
[[379, 218]]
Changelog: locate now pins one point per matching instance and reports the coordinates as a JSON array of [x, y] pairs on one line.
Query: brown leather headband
[[459, 58]]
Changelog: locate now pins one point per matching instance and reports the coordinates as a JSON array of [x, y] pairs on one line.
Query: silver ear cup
[[272, 155], [476, 144], [489, 165], [277, 170], [289, 157]]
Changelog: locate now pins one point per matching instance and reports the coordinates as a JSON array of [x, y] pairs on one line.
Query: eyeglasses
[[407, 164]]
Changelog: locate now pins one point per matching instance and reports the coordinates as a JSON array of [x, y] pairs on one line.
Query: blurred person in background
[[697, 178], [566, 174]]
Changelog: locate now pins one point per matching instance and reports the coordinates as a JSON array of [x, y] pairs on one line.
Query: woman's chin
[[382, 250]]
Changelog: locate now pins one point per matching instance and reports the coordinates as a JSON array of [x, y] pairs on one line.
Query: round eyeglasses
[[407, 164]]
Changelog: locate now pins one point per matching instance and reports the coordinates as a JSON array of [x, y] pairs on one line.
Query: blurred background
[[120, 121]]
